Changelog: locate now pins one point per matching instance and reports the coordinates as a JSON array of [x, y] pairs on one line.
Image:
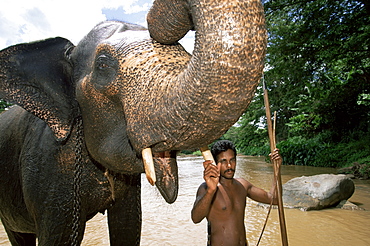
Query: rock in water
[[317, 192]]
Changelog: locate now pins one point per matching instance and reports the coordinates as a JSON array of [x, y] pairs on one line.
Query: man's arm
[[202, 204], [206, 191], [261, 195]]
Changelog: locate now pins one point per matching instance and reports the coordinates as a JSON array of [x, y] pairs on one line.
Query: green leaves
[[319, 59], [318, 78], [3, 105]]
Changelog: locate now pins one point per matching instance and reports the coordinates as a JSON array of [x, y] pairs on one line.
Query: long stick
[[284, 236], [275, 178]]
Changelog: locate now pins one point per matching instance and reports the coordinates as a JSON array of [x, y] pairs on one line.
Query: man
[[222, 198]]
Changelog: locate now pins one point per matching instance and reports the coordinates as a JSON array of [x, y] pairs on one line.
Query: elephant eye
[[104, 61], [105, 69]]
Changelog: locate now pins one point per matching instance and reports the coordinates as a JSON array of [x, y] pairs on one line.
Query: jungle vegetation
[[318, 78], [3, 105]]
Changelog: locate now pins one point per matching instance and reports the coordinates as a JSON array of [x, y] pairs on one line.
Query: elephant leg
[[124, 217], [21, 239], [60, 231]]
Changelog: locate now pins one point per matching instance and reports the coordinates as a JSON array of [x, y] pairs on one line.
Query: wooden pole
[[271, 131]]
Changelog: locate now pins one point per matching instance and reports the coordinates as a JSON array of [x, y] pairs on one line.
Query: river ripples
[[170, 225]]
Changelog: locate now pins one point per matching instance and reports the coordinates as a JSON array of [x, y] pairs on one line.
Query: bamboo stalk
[[269, 210], [271, 133]]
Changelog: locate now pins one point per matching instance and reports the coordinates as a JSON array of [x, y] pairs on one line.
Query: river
[[170, 225]]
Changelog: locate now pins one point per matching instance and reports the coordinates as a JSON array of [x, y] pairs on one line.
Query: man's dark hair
[[222, 146]]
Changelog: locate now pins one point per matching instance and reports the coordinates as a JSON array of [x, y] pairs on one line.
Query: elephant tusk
[[207, 155], [149, 165]]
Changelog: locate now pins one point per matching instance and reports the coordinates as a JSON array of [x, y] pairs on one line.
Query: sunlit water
[[165, 224]]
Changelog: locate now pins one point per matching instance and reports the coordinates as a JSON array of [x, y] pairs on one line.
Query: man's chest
[[229, 199]]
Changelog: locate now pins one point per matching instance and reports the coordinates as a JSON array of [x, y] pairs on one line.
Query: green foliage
[[248, 139], [345, 153], [197, 153], [300, 151], [186, 152], [319, 65], [303, 124], [318, 77], [316, 152], [364, 99], [3, 105]]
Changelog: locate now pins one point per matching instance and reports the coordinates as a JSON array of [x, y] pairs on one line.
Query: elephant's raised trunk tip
[[170, 27]]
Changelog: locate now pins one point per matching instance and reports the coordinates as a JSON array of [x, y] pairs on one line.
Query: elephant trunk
[[221, 77]]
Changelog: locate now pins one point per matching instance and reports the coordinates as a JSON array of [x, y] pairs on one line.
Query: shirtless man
[[222, 198]]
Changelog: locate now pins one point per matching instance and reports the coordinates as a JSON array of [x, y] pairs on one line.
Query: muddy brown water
[[170, 225]]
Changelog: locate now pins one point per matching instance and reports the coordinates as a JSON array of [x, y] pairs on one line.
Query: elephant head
[[141, 90]]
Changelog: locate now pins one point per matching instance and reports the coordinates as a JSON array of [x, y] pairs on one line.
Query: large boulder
[[317, 192]]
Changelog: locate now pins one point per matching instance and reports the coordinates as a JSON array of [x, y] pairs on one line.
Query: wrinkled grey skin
[[133, 89]]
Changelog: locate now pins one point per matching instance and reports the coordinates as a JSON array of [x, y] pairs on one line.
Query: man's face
[[228, 163]]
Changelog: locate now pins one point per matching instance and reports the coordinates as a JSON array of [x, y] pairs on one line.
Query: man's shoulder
[[240, 180], [203, 185], [243, 182], [202, 188]]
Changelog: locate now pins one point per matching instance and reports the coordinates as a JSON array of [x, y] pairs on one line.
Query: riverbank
[[356, 171]]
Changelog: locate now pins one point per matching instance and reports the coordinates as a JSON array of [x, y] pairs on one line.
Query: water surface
[[165, 224]]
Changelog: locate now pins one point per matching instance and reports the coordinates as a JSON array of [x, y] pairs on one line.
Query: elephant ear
[[38, 77]]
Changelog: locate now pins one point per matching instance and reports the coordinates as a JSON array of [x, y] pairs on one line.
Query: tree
[[317, 71], [319, 63]]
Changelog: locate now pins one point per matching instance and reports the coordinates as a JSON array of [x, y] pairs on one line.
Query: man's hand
[[275, 157], [211, 175], [277, 160], [206, 192]]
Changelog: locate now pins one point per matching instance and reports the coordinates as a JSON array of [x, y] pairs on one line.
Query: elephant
[[90, 118]]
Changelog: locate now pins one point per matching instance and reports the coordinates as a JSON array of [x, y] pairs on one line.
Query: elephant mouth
[[161, 170]]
